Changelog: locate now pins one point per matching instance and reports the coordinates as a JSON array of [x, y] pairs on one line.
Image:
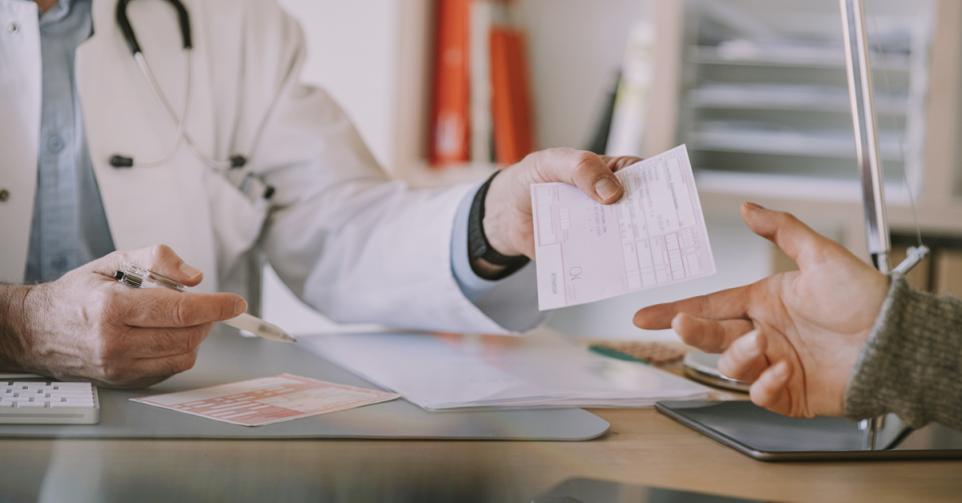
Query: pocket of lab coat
[[236, 220]]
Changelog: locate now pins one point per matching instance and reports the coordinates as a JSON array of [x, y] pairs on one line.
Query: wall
[[575, 49], [355, 52]]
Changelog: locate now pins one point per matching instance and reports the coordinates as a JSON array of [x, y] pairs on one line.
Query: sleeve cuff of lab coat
[[510, 302]]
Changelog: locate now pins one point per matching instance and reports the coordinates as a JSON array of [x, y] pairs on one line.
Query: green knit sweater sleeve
[[912, 363]]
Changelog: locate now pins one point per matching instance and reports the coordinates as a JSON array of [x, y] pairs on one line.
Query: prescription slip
[[654, 236], [267, 400]]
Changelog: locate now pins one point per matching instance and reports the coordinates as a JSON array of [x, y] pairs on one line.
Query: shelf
[[802, 57], [786, 97], [789, 143], [776, 186]]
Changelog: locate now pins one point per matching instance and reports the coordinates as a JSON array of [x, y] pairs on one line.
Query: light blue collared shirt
[[70, 227]]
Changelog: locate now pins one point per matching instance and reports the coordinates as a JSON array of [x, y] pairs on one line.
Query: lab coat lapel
[[158, 203], [20, 90]]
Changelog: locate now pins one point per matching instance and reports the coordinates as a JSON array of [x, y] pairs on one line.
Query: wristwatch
[[478, 245]]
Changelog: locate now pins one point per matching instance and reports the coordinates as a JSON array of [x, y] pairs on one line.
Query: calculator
[[48, 402]]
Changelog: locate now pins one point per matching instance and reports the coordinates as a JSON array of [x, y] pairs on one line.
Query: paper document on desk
[[448, 371], [654, 236], [268, 400]]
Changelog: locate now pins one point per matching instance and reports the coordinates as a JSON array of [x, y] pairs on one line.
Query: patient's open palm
[[795, 335]]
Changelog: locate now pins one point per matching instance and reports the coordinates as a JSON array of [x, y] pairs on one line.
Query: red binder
[[451, 98], [511, 98]]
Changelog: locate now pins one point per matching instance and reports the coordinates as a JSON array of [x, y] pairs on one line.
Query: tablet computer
[[767, 436]]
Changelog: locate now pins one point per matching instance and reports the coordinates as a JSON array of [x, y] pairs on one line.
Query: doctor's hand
[[507, 209], [796, 335], [87, 325]]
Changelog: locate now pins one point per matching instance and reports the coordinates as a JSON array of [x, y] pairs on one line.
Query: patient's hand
[[87, 325], [795, 335]]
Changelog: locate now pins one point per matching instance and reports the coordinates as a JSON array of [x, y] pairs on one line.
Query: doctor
[[130, 124]]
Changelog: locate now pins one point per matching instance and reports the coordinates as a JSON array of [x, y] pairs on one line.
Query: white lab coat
[[346, 239]]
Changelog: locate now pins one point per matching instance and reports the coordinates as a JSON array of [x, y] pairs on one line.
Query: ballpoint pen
[[139, 277]]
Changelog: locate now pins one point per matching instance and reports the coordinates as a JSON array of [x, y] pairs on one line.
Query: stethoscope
[[249, 183]]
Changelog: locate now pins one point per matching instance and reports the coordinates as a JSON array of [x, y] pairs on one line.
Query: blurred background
[[444, 91]]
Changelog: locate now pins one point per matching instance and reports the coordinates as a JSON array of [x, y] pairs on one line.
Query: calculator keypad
[[46, 401]]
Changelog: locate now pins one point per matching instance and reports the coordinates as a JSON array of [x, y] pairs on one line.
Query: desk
[[643, 447]]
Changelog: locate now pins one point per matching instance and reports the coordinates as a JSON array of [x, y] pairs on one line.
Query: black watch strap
[[478, 245]]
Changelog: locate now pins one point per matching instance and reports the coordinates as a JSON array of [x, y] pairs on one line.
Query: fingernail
[[240, 306], [607, 188], [754, 206], [187, 270]]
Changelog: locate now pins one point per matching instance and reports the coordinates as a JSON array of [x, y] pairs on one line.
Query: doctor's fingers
[[585, 170], [160, 259], [713, 336], [163, 308], [745, 359], [617, 163], [167, 366], [163, 342], [140, 373], [724, 305]]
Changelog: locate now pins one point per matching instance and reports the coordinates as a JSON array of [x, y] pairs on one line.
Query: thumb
[[585, 170], [791, 235], [160, 259]]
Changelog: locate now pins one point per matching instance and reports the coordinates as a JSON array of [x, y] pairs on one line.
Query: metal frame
[[861, 97]]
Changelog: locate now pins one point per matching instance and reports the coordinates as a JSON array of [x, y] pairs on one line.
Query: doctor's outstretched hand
[[795, 335], [507, 214], [87, 325]]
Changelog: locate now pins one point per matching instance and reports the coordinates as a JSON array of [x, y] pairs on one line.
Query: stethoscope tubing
[[219, 166]]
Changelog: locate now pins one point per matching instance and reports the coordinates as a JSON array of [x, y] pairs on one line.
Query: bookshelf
[[773, 99], [762, 103]]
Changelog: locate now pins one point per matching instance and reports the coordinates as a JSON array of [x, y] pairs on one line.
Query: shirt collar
[[56, 12]]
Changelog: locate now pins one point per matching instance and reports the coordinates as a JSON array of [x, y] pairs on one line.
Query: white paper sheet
[[654, 236], [447, 371]]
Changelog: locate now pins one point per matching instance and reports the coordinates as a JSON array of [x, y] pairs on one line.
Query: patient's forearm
[[912, 364], [12, 325]]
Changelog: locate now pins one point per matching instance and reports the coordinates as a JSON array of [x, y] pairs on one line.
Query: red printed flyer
[[268, 400]]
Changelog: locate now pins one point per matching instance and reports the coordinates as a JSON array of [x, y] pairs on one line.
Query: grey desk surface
[[642, 447], [226, 358]]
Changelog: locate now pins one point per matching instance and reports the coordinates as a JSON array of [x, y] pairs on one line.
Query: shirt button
[[4, 195], [13, 28], [55, 144]]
